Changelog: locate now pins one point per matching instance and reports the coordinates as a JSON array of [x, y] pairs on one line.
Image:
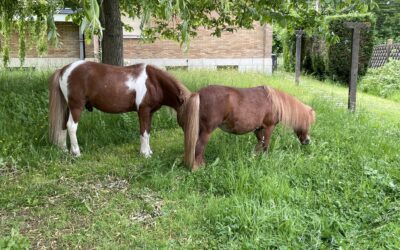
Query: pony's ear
[[181, 97], [181, 100]]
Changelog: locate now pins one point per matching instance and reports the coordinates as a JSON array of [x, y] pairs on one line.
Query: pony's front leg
[[72, 126], [145, 125], [261, 140], [263, 136], [267, 136]]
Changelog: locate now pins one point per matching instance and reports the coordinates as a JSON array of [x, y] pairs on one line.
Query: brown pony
[[240, 111], [141, 88]]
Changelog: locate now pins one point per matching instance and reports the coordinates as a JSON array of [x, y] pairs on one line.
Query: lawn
[[343, 190]]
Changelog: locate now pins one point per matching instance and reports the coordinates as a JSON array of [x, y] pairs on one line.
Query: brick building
[[244, 49]]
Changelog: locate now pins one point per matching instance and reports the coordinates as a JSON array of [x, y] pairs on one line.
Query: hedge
[[338, 58], [331, 60], [312, 54], [289, 50]]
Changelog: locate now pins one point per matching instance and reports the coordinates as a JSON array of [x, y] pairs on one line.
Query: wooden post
[[356, 26], [299, 33]]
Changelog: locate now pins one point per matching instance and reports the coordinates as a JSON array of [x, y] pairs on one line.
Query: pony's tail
[[191, 128], [57, 109]]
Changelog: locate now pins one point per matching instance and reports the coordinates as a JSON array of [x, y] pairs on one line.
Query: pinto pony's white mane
[[290, 111]]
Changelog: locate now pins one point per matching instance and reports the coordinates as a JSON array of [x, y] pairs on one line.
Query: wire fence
[[378, 109], [382, 53]]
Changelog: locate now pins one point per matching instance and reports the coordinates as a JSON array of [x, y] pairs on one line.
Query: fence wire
[[379, 109], [381, 54]]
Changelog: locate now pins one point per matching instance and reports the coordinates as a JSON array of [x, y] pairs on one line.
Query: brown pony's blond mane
[[188, 118], [187, 115], [290, 111]]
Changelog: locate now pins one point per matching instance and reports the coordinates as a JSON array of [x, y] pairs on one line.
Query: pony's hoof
[[258, 151], [196, 166], [258, 148], [76, 153], [147, 154]]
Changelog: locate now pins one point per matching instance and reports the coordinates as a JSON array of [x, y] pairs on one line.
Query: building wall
[[245, 49], [69, 41], [240, 44], [67, 52]]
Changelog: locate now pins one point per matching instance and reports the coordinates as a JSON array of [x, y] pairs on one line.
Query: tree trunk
[[112, 43]]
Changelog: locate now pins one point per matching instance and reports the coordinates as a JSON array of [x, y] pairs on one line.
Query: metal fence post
[[388, 49]]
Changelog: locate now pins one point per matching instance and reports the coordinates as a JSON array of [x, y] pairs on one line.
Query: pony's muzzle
[[306, 141]]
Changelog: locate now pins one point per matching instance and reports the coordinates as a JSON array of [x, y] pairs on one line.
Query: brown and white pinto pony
[[112, 89], [240, 111]]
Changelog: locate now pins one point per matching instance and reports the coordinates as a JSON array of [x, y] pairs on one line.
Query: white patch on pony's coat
[[64, 78], [138, 85], [72, 128], [145, 145]]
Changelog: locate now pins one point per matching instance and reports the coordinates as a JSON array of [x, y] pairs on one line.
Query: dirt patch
[[151, 209]]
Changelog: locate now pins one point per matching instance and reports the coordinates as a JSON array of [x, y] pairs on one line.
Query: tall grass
[[383, 81], [341, 191]]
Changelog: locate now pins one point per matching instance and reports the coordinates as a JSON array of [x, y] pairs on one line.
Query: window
[[227, 67], [176, 67]]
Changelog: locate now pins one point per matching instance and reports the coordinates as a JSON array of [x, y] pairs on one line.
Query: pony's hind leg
[[62, 137], [200, 146], [72, 126], [62, 140]]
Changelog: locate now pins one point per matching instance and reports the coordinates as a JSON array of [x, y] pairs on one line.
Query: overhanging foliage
[[171, 19]]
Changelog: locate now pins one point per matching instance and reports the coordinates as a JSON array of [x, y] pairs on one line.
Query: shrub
[[289, 50], [327, 58], [306, 54], [313, 53], [339, 54], [277, 40], [318, 65], [383, 81]]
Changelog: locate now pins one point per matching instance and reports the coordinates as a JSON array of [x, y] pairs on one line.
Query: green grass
[[383, 81], [341, 191]]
